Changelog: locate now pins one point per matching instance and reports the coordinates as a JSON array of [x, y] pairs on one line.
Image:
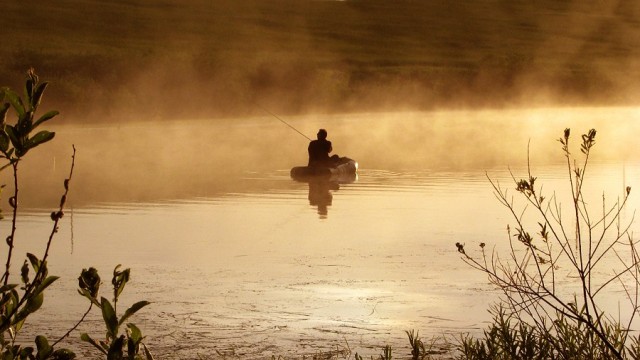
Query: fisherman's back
[[319, 152]]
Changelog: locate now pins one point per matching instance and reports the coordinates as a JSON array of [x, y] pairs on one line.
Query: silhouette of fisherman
[[319, 151]]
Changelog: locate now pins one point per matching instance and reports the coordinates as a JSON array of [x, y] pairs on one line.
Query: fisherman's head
[[322, 134]]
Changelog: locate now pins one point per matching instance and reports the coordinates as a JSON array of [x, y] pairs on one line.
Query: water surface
[[239, 259]]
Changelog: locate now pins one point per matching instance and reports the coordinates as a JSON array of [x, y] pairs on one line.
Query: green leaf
[[4, 142], [46, 117], [119, 280], [86, 338], [24, 272], [46, 282], [132, 310], [15, 101], [25, 352], [44, 350], [12, 302], [8, 287], [3, 112], [39, 138], [109, 316], [19, 324], [13, 136], [34, 303], [25, 123], [28, 89], [3, 301], [37, 96], [135, 333], [35, 262]]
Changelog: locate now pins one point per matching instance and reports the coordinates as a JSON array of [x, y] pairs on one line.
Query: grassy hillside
[[172, 58]]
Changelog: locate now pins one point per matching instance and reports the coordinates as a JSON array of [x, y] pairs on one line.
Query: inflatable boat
[[345, 168]]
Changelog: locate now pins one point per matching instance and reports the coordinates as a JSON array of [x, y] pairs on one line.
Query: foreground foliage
[[510, 338], [540, 316], [20, 300]]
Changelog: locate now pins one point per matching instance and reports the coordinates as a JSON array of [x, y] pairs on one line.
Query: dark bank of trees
[[172, 59]]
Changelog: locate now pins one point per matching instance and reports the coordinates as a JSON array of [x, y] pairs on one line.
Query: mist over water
[[202, 158]]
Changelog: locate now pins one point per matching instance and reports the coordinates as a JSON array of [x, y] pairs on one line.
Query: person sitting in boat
[[319, 151]]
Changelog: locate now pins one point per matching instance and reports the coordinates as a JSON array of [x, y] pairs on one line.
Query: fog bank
[[191, 159]]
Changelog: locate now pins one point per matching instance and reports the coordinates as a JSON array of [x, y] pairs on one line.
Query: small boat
[[345, 168]]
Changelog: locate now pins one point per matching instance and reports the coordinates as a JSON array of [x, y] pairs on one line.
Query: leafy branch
[[577, 242]]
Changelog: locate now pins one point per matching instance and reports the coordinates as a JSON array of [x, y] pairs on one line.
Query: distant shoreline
[[207, 59]]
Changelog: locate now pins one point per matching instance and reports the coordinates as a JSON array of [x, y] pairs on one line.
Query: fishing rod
[[284, 122]]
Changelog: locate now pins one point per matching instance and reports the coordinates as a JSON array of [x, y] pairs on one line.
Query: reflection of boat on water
[[323, 180], [345, 171]]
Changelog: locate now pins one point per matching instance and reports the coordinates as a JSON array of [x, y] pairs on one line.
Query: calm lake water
[[239, 259]]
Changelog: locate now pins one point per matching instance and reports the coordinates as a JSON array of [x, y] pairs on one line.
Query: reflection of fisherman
[[319, 151], [320, 195]]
